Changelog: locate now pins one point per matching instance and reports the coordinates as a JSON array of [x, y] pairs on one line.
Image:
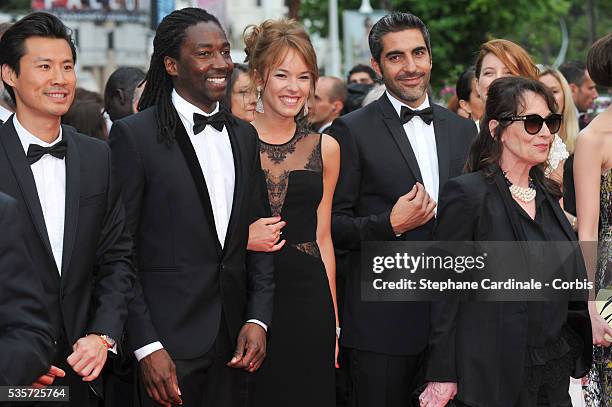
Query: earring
[[305, 109], [259, 107]]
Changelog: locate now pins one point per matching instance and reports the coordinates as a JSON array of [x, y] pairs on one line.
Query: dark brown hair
[[599, 61], [506, 98]]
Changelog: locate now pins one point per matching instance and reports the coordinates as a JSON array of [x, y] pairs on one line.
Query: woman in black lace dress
[[301, 170]]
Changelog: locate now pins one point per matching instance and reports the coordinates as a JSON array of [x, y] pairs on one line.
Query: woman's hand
[[602, 332], [264, 234]]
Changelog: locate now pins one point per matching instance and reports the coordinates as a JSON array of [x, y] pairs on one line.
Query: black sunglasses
[[533, 122]]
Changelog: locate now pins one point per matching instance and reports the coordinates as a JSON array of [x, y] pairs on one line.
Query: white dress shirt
[[214, 152], [4, 114], [422, 138], [50, 178]]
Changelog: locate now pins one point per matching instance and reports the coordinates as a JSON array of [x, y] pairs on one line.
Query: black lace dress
[[299, 367]]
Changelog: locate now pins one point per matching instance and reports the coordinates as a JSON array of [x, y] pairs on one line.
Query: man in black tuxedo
[[26, 337], [72, 218], [397, 153], [192, 183]]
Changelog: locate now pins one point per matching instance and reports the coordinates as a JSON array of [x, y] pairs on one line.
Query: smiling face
[[520, 146], [492, 68], [555, 86], [243, 98], [204, 66], [288, 86], [405, 66], [46, 82]]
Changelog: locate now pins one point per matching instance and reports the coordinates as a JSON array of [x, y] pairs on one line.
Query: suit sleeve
[[453, 223], [260, 266], [115, 277], [348, 229], [128, 172], [26, 341]]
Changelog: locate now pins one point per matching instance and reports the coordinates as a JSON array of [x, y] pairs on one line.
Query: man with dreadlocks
[[192, 182]]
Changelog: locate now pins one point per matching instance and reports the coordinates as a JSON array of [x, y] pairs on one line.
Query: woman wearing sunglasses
[[514, 354], [593, 180]]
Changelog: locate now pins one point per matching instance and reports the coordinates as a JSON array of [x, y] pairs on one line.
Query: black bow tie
[[200, 122], [35, 152], [407, 114]]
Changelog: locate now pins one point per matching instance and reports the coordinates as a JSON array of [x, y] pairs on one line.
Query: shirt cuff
[[258, 322], [147, 350]]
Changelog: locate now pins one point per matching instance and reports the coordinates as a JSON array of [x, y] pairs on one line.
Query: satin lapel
[[519, 235], [237, 199], [73, 193], [442, 144], [396, 129], [193, 164], [508, 205], [25, 179]]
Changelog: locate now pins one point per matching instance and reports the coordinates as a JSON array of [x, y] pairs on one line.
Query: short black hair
[[126, 78], [238, 69], [573, 71], [391, 23], [465, 83], [38, 24], [362, 68]]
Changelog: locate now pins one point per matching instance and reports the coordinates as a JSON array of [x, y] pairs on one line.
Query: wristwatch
[[107, 341]]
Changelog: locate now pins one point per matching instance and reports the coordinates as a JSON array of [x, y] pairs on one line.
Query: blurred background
[[113, 33]]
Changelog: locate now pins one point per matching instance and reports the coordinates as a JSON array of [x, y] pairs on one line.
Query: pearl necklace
[[522, 194]]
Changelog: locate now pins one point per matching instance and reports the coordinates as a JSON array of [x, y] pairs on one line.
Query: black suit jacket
[[26, 336], [486, 342], [378, 166], [97, 277], [187, 279]]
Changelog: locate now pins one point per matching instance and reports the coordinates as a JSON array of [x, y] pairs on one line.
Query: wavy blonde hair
[[268, 43], [569, 126]]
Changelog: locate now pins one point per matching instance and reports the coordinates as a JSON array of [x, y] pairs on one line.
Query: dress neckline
[[293, 138]]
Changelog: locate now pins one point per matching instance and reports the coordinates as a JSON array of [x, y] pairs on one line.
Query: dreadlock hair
[[169, 37]]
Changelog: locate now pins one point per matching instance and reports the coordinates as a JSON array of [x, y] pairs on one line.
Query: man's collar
[[397, 104], [5, 113], [26, 138], [186, 109], [324, 126]]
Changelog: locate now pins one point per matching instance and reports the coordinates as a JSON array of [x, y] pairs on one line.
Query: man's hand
[[264, 234], [437, 394], [48, 378], [88, 357], [158, 374], [250, 348], [412, 210]]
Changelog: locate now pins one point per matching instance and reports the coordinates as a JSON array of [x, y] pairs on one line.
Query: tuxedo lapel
[[193, 164], [237, 153], [507, 199], [73, 187], [25, 179], [396, 129], [442, 144]]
